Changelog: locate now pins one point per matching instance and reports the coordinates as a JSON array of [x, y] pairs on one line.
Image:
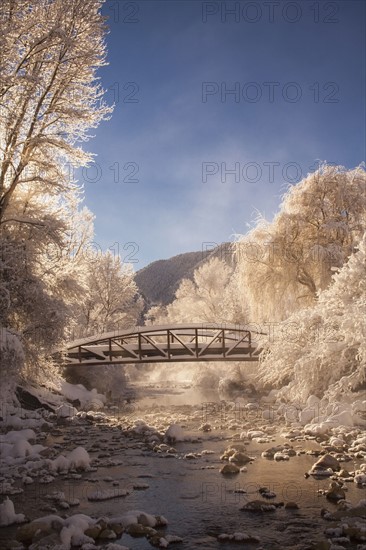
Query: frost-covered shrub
[[322, 349]]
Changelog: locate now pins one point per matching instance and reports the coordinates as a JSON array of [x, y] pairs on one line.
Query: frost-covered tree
[[49, 98], [111, 300], [283, 264], [333, 333], [49, 94], [211, 297], [41, 271]]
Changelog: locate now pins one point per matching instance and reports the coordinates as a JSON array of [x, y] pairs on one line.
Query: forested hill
[[159, 280]]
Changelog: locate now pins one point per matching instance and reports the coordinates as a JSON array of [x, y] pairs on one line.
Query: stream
[[186, 486]]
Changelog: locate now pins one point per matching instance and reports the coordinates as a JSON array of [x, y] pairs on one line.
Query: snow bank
[[335, 415], [8, 515]]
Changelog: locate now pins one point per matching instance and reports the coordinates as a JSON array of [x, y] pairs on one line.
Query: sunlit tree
[[111, 300], [49, 94], [50, 97], [283, 264], [207, 298]]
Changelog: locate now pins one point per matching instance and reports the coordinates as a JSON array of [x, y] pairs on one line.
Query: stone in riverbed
[[205, 427], [163, 542], [344, 473], [117, 528], [138, 530], [232, 449], [93, 531], [358, 511], [325, 462], [259, 506], [107, 534], [291, 505], [44, 543], [240, 458], [281, 456], [27, 532], [229, 469], [335, 492], [266, 493]]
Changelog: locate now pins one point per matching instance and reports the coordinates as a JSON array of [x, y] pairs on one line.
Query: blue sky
[[297, 70]]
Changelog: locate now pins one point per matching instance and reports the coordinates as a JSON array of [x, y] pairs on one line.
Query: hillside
[[159, 280]]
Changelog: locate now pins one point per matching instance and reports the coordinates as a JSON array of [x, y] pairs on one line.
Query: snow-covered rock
[[89, 399], [8, 515], [75, 459], [174, 433], [307, 414], [136, 516], [15, 444], [66, 411]]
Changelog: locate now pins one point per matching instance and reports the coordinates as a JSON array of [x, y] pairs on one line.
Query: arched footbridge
[[163, 344]]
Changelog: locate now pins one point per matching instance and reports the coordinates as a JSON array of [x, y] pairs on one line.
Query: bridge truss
[[163, 344]]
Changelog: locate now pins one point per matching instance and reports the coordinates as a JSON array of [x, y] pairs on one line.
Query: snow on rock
[[174, 433], [344, 418], [313, 401], [15, 444], [68, 532], [325, 462], [359, 406], [238, 537], [72, 534], [66, 411], [360, 478], [251, 434], [317, 428], [88, 399], [76, 459], [336, 415], [335, 441], [307, 415], [13, 436], [136, 516], [8, 515]]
